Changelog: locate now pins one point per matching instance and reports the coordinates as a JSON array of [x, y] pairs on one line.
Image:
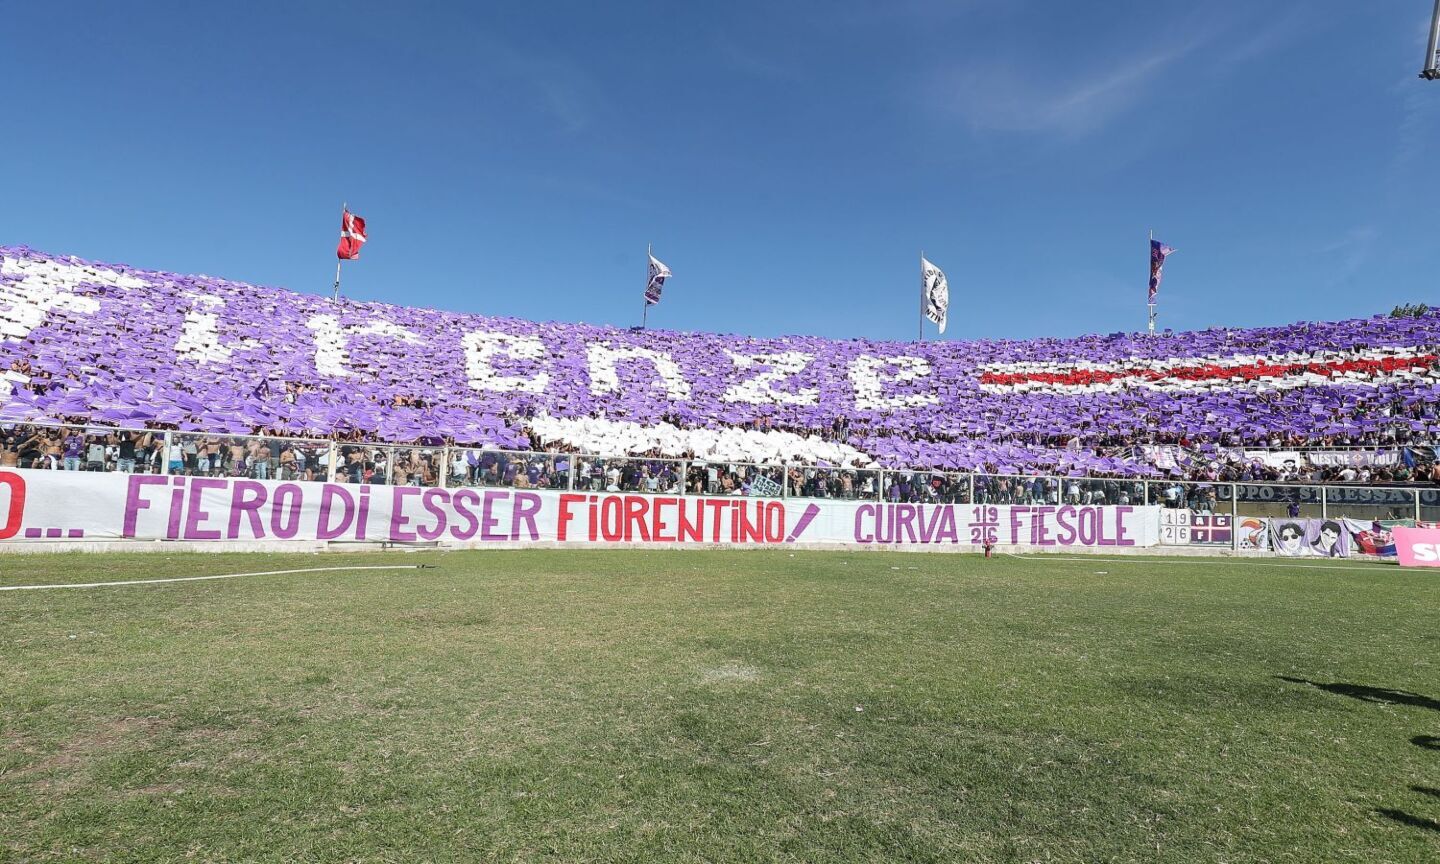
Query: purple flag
[[1158, 253]]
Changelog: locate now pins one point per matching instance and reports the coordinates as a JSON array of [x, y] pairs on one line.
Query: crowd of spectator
[[1405, 466], [40, 447], [1195, 486], [1057, 490]]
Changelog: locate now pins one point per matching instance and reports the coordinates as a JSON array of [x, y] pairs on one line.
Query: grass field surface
[[718, 706]]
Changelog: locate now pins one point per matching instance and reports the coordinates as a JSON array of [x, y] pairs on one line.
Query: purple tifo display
[[114, 345]]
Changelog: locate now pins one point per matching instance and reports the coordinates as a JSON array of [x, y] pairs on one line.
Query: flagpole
[[344, 205], [1150, 252], [922, 295], [1431, 72], [645, 301]]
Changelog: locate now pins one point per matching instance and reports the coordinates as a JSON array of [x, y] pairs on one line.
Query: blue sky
[[787, 159]]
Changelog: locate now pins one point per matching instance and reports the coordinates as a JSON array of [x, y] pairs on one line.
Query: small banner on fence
[[764, 487]]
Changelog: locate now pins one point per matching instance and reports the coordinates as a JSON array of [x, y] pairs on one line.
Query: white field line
[[203, 578], [1210, 561]]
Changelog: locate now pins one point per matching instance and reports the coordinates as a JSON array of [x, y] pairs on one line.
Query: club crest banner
[[1375, 537], [1181, 527]]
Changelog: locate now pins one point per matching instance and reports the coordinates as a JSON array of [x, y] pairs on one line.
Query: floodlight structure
[[1431, 72]]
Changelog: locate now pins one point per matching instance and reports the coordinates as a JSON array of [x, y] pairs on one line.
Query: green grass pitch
[[707, 706]]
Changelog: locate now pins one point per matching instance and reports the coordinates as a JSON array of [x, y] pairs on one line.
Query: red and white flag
[[352, 237]]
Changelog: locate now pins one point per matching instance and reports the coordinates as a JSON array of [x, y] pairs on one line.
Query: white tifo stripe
[[203, 578], [1168, 367]]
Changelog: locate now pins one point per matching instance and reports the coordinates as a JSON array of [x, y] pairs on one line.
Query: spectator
[[74, 446], [95, 453]]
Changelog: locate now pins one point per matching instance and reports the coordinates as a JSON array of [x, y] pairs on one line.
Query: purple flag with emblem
[[1158, 253]]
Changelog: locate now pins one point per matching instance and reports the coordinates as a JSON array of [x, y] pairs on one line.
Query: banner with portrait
[[1310, 538]]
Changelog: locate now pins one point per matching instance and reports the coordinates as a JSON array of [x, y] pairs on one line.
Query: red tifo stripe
[[1210, 372]]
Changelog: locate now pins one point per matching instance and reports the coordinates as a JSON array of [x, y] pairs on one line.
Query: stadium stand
[[104, 345]]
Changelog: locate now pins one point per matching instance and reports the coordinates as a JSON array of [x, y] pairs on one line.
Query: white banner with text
[[63, 505]]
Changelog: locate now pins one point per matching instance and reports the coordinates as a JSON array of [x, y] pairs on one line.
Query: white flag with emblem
[[934, 293], [656, 283]]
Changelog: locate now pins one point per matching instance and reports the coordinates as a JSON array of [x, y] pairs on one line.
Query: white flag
[[658, 274], [934, 293]]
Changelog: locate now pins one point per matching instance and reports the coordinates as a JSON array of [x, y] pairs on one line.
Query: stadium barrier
[[1206, 517], [99, 448]]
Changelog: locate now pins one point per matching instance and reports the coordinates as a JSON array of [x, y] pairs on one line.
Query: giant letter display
[[56, 505], [110, 344]]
